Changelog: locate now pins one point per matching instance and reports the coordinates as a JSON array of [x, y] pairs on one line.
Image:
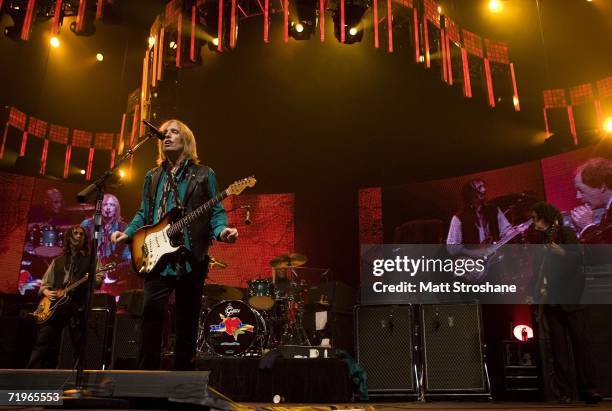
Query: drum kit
[[268, 314]]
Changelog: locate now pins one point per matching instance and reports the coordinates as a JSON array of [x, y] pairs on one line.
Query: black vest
[[82, 266], [469, 230], [196, 194]]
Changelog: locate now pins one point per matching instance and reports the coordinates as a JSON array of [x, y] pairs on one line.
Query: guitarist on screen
[[66, 269], [178, 182]]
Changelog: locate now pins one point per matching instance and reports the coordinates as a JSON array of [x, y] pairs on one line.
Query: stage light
[[299, 27], [353, 13], [122, 173], [82, 172], [522, 332], [439, 9], [99, 56], [303, 25], [173, 45], [495, 6], [54, 42], [608, 125], [151, 41], [215, 41]]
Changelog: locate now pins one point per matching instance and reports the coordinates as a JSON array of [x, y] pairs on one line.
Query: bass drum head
[[232, 327]]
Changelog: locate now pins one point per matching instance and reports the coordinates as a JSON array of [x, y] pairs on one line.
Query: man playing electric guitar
[[178, 182], [68, 268]]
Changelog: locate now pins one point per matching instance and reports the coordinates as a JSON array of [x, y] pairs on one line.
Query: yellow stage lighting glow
[[299, 27], [54, 42], [151, 41], [122, 173], [99, 56], [608, 125], [439, 9], [495, 6], [353, 31], [215, 41]]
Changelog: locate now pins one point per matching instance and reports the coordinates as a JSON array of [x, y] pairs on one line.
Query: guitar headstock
[[239, 186]]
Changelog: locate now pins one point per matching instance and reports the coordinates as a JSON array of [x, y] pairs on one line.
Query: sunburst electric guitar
[[47, 307], [153, 244]]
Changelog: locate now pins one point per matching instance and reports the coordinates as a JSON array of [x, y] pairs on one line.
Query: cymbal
[[222, 292], [288, 260], [214, 263]]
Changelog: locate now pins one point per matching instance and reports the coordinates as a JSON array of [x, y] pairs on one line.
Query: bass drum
[[232, 328]]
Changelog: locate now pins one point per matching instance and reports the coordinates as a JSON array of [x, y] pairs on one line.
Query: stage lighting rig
[[303, 25], [208, 13], [353, 27], [17, 10], [86, 14]]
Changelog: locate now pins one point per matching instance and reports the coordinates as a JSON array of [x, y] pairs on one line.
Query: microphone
[[154, 130]]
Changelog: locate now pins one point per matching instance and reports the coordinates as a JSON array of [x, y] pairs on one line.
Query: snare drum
[[231, 328], [261, 294]]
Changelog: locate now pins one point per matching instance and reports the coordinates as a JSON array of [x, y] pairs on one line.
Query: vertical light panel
[[220, 27], [153, 77], [160, 55], [375, 17], [467, 86], [487, 67], [144, 87], [24, 142], [572, 122], [449, 65], [546, 122], [43, 160], [112, 160], [286, 20], [67, 160], [390, 25], [89, 163], [342, 23], [179, 41], [426, 39], [322, 19], [80, 20], [515, 99], [417, 46], [100, 10], [27, 22], [443, 43], [192, 51], [56, 16], [233, 25], [4, 135], [266, 21]]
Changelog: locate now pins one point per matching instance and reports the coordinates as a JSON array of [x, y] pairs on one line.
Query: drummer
[[51, 211]]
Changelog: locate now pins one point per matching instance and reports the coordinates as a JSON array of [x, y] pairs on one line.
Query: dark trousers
[[46, 349], [188, 297], [571, 325]]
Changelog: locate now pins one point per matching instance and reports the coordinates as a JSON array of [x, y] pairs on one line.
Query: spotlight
[[522, 332], [173, 45], [608, 125], [215, 41], [83, 172], [439, 9], [302, 27], [151, 41], [54, 42], [122, 173], [353, 13], [209, 18], [99, 56], [495, 6]]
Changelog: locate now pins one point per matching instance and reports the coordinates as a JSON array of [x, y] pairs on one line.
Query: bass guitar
[[47, 307], [156, 243]]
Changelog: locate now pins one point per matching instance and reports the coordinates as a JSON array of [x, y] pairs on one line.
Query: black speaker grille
[[452, 348], [126, 341], [97, 342], [384, 347]]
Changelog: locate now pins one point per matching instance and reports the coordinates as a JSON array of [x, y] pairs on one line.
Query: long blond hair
[[190, 150]]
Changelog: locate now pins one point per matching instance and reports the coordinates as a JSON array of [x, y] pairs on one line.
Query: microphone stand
[[95, 189]]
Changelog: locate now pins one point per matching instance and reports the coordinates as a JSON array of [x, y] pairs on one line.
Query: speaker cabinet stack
[[426, 351]]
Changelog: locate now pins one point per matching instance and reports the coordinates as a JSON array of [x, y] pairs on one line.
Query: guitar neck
[[76, 284], [178, 226]]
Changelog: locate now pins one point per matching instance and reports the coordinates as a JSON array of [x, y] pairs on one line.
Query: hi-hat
[[222, 292], [288, 260]]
